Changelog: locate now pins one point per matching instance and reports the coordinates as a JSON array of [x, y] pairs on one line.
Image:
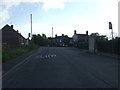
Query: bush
[[111, 46]]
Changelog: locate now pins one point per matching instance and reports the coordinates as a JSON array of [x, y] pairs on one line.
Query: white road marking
[[46, 56]]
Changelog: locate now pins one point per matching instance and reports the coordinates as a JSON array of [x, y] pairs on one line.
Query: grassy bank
[[10, 52]]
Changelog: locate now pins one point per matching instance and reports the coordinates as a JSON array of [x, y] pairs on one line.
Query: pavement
[[61, 67]]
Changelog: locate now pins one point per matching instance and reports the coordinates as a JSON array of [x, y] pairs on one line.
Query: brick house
[[11, 36]]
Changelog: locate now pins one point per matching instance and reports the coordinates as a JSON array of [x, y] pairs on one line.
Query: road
[[63, 67]]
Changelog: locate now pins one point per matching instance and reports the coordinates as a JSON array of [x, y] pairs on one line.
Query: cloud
[[108, 13], [38, 28], [6, 5], [48, 4], [4, 15]]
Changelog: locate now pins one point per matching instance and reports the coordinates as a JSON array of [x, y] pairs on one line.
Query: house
[[60, 41], [11, 36], [52, 41], [80, 37], [71, 41]]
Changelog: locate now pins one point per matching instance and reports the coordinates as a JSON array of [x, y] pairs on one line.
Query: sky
[[64, 16]]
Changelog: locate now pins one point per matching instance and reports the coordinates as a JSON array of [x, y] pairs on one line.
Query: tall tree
[[40, 40], [66, 40], [95, 34]]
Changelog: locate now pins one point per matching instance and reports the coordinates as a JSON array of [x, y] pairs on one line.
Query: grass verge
[[10, 52]]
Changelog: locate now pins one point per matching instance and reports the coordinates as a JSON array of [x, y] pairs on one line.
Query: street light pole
[[52, 32], [52, 36], [31, 24]]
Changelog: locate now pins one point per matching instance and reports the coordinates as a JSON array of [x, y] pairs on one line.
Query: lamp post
[[52, 32], [52, 36], [31, 24]]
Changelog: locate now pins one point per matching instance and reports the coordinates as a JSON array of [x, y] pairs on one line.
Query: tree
[[43, 36], [66, 40], [95, 34], [40, 40]]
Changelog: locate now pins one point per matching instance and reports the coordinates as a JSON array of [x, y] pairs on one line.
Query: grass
[[10, 52]]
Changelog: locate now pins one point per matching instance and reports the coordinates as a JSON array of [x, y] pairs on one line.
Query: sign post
[[110, 27]]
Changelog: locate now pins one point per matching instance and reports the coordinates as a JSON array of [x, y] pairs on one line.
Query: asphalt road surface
[[63, 67]]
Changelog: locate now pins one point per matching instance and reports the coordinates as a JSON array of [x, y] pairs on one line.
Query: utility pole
[[31, 24], [52, 36], [52, 32]]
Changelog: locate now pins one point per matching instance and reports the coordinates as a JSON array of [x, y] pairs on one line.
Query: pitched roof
[[7, 27], [81, 35]]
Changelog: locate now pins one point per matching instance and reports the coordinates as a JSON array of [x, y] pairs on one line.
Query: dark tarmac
[[62, 67]]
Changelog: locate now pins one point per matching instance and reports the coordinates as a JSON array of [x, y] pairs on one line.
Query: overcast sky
[[64, 16]]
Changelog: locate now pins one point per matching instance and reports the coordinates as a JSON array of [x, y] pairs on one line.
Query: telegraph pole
[[52, 36], [52, 32], [31, 24]]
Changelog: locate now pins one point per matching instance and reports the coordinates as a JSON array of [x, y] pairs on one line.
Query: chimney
[[86, 32], [75, 32], [12, 26]]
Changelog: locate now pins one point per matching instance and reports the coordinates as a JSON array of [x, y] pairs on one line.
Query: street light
[[52, 32], [31, 24]]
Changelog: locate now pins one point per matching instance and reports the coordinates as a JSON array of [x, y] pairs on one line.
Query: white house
[[80, 37]]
